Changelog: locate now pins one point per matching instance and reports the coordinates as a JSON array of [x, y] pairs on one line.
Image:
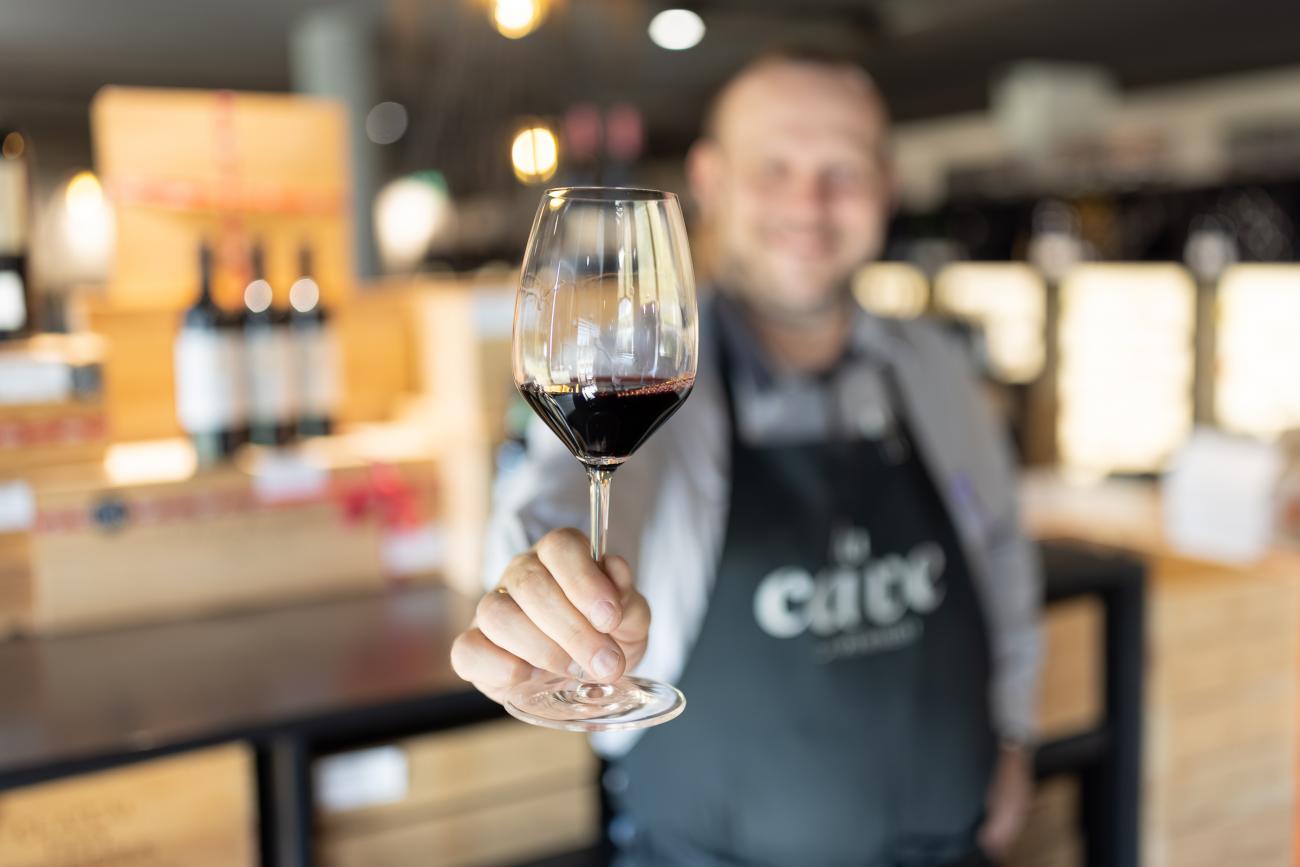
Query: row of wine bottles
[[266, 373]]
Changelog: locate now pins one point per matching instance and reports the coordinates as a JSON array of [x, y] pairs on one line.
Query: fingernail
[[574, 670], [605, 663], [603, 616]]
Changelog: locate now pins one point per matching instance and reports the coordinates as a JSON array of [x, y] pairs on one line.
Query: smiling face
[[794, 182]]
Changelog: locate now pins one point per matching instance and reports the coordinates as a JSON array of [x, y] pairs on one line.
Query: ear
[[704, 174]]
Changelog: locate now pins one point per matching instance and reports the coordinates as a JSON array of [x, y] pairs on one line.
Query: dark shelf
[[345, 670]]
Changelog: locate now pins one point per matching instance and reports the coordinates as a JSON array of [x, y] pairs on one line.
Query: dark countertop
[[339, 670], [73, 700]]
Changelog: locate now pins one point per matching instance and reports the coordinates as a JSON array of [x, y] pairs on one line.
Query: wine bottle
[[209, 382], [315, 352], [15, 198], [268, 361]]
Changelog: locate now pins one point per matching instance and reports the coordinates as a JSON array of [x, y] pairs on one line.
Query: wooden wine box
[[185, 166], [50, 434], [488, 794], [51, 407], [144, 536], [197, 809]]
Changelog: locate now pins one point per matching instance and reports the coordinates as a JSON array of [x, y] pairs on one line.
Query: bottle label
[[208, 393], [318, 372], [271, 393]]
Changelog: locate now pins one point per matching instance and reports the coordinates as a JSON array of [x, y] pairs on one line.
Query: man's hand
[[1007, 804], [554, 610]]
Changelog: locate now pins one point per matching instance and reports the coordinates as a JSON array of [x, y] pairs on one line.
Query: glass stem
[[598, 480]]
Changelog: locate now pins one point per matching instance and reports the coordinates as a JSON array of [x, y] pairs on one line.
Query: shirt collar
[[869, 341]]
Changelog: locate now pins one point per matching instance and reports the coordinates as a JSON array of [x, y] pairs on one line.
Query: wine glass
[[605, 347]]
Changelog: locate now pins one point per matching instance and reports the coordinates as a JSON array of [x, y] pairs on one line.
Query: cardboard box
[[196, 809], [495, 793]]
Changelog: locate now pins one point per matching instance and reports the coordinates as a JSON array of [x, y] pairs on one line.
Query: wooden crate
[[486, 794], [197, 809], [48, 434], [103, 551]]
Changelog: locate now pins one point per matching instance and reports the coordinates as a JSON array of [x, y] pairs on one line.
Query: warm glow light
[[304, 294], [1126, 366], [13, 146], [257, 296], [515, 19], [894, 289], [87, 227], [535, 154], [1008, 301], [1257, 390], [84, 196], [409, 212], [150, 461], [676, 29]]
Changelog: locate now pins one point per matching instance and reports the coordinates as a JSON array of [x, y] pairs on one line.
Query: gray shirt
[[669, 502]]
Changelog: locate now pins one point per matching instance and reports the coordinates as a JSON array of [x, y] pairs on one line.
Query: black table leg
[[285, 791], [1111, 790]]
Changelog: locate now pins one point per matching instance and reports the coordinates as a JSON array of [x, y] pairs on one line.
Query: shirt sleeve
[[544, 490], [1013, 594]]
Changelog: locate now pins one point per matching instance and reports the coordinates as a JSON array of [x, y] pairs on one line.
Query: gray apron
[[838, 691]]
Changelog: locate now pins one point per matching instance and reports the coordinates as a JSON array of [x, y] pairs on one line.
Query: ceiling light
[[676, 29], [515, 19], [534, 154]]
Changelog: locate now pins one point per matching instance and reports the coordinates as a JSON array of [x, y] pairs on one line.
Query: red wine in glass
[[603, 422]]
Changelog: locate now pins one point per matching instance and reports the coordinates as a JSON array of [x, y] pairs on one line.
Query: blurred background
[[256, 289]]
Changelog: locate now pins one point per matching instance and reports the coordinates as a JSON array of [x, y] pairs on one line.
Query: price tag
[[17, 507], [414, 550], [280, 477], [364, 778]]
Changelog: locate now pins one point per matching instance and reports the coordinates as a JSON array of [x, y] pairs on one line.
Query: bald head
[[793, 178], [783, 75]]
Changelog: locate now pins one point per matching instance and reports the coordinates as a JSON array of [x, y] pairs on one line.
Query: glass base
[[565, 703]]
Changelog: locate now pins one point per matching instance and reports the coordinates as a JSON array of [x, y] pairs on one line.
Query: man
[[827, 534]]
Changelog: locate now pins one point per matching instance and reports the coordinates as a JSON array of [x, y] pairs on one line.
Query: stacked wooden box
[[101, 548], [198, 809], [489, 794]]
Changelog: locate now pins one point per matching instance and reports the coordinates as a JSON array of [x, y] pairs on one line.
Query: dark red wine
[[603, 424]]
